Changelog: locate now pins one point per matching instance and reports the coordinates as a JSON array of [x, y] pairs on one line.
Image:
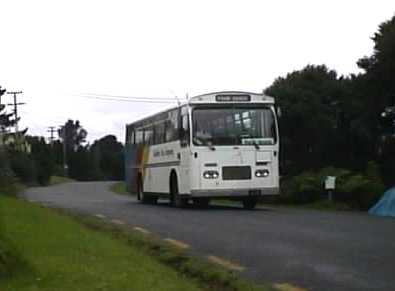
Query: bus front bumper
[[234, 192]]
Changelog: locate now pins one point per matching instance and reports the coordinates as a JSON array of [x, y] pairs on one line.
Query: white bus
[[217, 145]]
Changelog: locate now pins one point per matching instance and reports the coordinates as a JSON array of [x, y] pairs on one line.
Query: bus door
[[185, 152]]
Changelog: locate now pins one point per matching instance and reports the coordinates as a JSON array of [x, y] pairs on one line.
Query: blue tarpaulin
[[386, 205]]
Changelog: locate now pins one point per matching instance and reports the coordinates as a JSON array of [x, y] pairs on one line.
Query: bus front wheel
[[250, 203], [175, 198]]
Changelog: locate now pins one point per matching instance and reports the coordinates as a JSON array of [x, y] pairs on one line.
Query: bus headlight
[[210, 175], [261, 173]]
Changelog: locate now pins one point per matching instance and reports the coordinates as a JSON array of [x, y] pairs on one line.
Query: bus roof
[[223, 97], [231, 97]]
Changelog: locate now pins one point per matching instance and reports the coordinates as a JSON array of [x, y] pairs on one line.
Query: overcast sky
[[56, 51]]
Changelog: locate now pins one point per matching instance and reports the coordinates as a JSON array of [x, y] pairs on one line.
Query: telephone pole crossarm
[[16, 104]]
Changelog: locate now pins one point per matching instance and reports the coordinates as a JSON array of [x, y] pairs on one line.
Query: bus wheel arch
[[175, 199]]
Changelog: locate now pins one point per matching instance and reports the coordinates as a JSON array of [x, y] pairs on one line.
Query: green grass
[[208, 275], [62, 254], [119, 188], [55, 180], [58, 250]]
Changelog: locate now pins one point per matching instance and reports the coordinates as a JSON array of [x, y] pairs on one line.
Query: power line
[[130, 97], [125, 100], [63, 135], [16, 104]]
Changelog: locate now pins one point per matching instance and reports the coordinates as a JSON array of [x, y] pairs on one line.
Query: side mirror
[[183, 137], [279, 113]]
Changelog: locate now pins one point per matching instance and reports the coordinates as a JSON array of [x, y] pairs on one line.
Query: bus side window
[[184, 131], [139, 136], [131, 136]]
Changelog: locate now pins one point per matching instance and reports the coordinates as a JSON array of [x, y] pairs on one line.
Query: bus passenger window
[[149, 135], [139, 136], [131, 136], [159, 136]]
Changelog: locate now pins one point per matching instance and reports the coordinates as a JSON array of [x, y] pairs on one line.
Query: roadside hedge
[[358, 190], [8, 181]]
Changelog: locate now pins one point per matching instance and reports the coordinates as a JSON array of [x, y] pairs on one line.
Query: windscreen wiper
[[205, 143], [256, 145]]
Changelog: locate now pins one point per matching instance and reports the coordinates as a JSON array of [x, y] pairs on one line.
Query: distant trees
[[108, 153], [42, 154], [101, 161], [25, 158], [73, 134]]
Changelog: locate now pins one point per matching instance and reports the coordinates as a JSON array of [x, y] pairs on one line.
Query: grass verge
[[55, 180], [119, 188], [208, 275], [64, 252], [65, 255]]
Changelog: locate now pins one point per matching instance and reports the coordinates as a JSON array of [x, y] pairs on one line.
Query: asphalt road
[[310, 249]]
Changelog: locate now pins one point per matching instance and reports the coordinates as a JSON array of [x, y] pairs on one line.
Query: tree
[[73, 134], [312, 101], [108, 153], [83, 166], [380, 67], [43, 157], [377, 87], [5, 118]]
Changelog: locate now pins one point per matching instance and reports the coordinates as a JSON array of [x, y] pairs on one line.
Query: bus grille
[[236, 173]]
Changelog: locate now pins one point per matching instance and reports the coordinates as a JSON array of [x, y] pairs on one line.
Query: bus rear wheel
[[144, 198], [175, 199], [249, 202]]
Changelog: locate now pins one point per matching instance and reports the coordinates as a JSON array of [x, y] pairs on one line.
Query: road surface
[[310, 249]]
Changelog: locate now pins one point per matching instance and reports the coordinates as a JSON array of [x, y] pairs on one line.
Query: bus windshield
[[233, 126]]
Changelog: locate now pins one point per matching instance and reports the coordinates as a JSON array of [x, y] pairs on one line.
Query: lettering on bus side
[[163, 153]]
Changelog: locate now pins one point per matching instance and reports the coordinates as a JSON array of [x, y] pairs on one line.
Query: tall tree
[[380, 67], [377, 87], [312, 100], [73, 134], [43, 157], [5, 118]]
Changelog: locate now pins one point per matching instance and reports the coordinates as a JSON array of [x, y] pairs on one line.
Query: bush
[[8, 181], [359, 191], [43, 159], [24, 167]]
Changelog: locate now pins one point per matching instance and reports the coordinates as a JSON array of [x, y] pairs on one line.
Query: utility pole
[[52, 130], [15, 104], [64, 135], [1, 93]]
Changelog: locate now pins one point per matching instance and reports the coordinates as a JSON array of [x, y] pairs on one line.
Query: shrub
[[8, 181], [23, 166], [356, 190]]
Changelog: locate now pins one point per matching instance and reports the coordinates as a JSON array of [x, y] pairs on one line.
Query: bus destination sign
[[233, 98]]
